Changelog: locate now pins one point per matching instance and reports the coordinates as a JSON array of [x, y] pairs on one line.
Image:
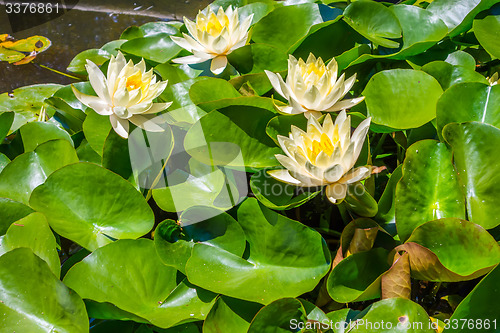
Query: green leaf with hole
[[174, 241], [392, 95], [148, 290], [92, 206], [374, 21], [292, 265], [33, 232], [33, 298], [475, 155], [429, 189], [21, 176]]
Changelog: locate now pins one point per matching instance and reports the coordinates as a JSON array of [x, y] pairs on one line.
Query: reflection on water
[[91, 24]]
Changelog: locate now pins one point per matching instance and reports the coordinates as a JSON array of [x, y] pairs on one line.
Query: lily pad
[[230, 315], [21, 176], [33, 232], [6, 120], [149, 289], [429, 189], [393, 94], [11, 211], [92, 206], [36, 133], [487, 31], [158, 48], [474, 152], [28, 286], [290, 267]]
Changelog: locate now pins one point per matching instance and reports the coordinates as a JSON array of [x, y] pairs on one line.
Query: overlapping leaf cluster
[[90, 232]]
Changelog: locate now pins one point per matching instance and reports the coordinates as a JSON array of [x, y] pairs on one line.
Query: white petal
[[97, 104], [98, 81], [189, 60], [334, 173], [345, 104], [284, 176], [182, 42], [119, 125], [157, 107], [146, 123], [359, 136], [356, 175], [274, 79], [218, 64]]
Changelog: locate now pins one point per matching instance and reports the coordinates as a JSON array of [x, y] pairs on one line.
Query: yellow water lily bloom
[[213, 36], [324, 155], [125, 94], [312, 87]]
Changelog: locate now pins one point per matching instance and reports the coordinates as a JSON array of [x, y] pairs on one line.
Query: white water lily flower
[[125, 94], [213, 37], [312, 87], [324, 155]]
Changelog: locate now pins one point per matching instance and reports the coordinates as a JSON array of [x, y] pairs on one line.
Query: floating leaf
[[34, 233], [158, 48], [34, 134], [21, 176], [429, 189], [474, 152], [374, 21], [292, 265], [230, 315], [27, 286], [449, 75], [6, 120], [11, 211], [393, 94], [92, 206], [148, 290], [279, 316], [487, 32]]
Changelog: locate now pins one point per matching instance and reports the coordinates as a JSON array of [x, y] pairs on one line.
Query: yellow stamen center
[[213, 26], [134, 81], [324, 145], [311, 67]]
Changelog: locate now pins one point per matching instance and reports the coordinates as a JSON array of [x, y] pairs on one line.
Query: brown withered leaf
[[396, 282]]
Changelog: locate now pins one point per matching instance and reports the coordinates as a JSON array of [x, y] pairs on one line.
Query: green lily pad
[[393, 94], [11, 211], [277, 257], [36, 133], [429, 189], [4, 160], [283, 315], [92, 206], [480, 306], [21, 176], [96, 129], [386, 215], [357, 277], [286, 25], [33, 298], [487, 32], [149, 289], [33, 232], [462, 247], [474, 152], [174, 241], [278, 195], [374, 21], [158, 48], [458, 14], [449, 75], [393, 315], [27, 102], [230, 315], [97, 56], [469, 101], [6, 120], [236, 136], [116, 156]]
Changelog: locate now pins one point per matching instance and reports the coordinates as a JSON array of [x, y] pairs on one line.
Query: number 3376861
[[31, 8]]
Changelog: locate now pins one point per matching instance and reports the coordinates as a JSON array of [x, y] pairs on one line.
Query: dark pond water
[[90, 24]]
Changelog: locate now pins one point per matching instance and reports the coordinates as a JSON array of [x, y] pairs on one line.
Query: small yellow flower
[[125, 94], [312, 87], [213, 36], [324, 155]]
